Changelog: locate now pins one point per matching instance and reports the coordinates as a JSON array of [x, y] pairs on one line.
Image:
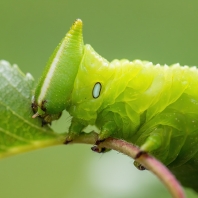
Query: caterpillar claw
[[97, 149], [99, 141], [139, 166], [139, 154], [68, 139]]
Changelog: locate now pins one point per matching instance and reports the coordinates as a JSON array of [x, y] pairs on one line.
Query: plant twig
[[146, 160]]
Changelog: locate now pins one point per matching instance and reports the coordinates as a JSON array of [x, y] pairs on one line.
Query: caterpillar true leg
[[75, 130]]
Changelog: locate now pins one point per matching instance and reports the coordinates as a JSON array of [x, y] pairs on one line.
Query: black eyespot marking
[[96, 90]]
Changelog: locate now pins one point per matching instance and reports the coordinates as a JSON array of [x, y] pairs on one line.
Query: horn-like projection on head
[[56, 82]]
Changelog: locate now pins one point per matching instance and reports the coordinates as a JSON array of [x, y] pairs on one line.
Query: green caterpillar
[[152, 106]]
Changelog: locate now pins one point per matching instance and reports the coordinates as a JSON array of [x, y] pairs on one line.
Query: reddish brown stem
[[146, 160]]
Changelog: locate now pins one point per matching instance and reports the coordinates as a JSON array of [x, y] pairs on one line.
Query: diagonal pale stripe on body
[[49, 76]]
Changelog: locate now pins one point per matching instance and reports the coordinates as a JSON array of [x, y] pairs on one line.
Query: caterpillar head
[[56, 83]]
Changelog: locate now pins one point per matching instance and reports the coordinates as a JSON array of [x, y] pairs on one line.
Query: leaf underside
[[18, 131]]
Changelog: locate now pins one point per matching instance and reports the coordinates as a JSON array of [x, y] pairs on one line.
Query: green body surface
[[152, 106]]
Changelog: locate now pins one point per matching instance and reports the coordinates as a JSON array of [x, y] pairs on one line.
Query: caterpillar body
[[152, 106]]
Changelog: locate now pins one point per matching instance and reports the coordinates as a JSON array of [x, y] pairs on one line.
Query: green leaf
[[18, 131]]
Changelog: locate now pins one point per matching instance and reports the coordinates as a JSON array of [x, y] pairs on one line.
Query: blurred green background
[[159, 31]]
